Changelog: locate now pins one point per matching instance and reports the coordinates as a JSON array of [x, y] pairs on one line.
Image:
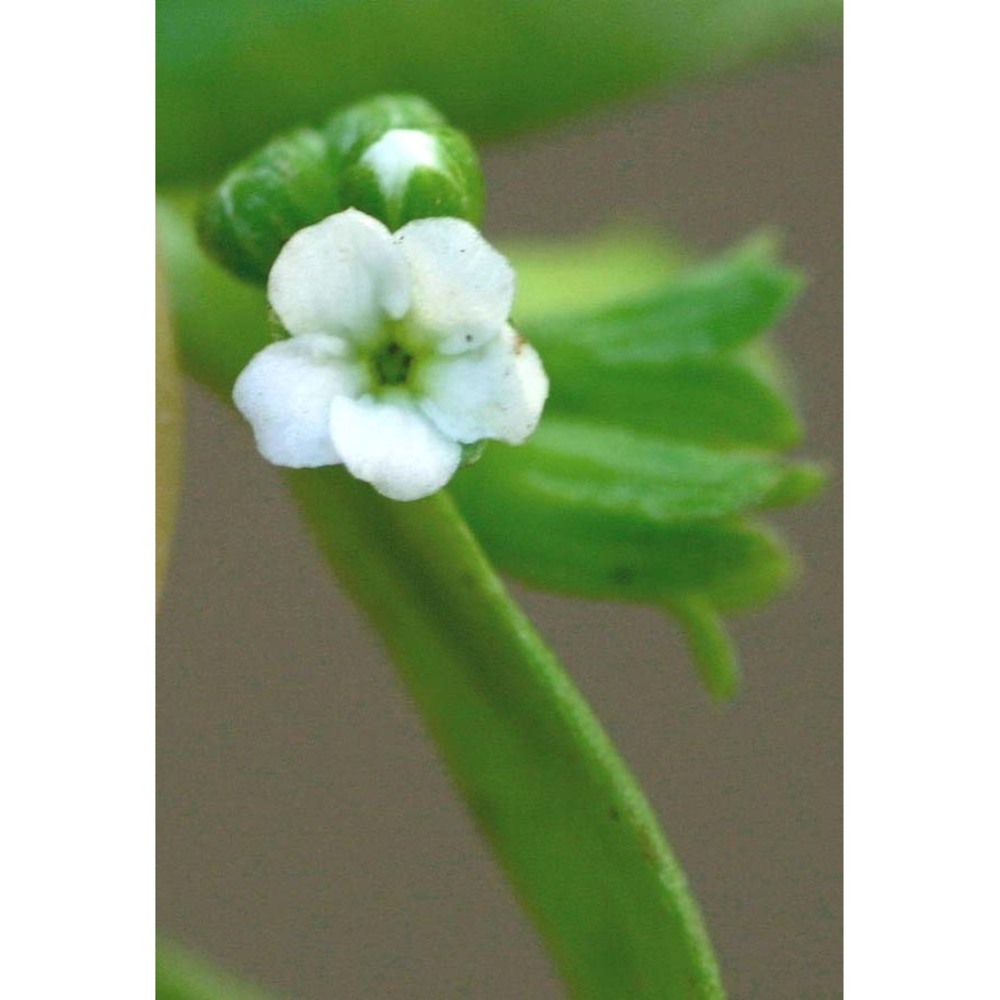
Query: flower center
[[392, 364]]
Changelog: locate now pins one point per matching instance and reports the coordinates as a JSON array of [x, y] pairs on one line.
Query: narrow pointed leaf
[[709, 644], [614, 472], [674, 361], [714, 307], [704, 400], [626, 557]]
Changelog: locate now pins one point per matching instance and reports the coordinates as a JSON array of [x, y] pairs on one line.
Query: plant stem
[[566, 819]]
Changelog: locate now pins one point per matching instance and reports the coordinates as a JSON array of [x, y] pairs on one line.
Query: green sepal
[[610, 513], [282, 188], [800, 484]]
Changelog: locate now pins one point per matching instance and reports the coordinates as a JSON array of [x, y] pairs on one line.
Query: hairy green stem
[[566, 819]]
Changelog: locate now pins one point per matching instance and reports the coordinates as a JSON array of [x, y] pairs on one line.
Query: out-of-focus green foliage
[[169, 428], [180, 975], [233, 73], [569, 275]]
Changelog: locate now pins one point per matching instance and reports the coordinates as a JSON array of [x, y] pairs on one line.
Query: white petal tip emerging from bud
[[397, 154]]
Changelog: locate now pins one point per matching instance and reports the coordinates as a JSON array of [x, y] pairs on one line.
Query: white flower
[[400, 353]]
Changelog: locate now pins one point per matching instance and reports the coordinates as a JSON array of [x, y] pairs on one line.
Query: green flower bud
[[414, 174], [351, 131], [393, 157], [286, 186], [398, 160]]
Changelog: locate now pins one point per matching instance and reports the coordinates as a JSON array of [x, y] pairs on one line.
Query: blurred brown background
[[308, 838]]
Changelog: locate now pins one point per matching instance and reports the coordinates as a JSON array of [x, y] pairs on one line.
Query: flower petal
[[341, 276], [285, 392], [497, 391], [462, 289], [392, 446]]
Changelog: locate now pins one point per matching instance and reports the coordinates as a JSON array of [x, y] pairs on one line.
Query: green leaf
[[615, 550], [231, 74], [709, 401], [612, 473], [707, 309], [675, 361]]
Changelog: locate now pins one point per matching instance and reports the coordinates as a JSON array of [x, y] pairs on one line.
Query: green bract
[[393, 157], [227, 81]]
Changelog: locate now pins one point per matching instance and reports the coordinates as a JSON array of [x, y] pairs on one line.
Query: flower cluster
[[400, 353]]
